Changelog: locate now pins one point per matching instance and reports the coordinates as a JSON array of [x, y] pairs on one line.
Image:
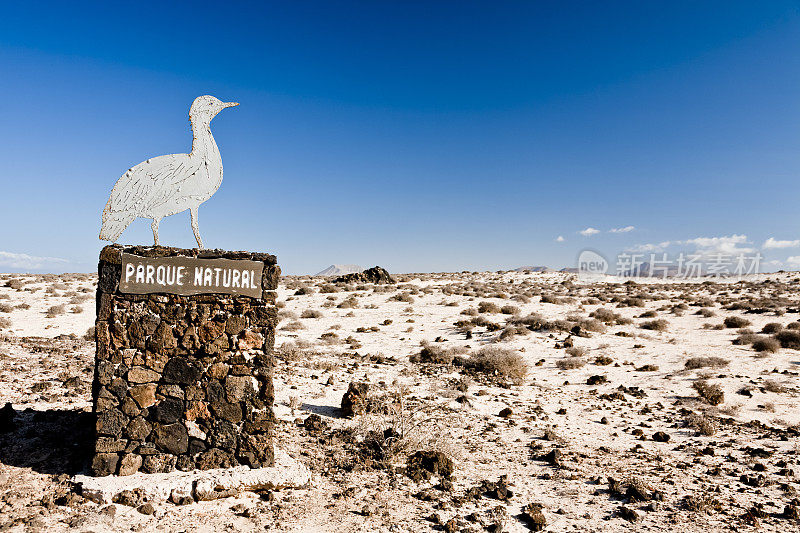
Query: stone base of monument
[[200, 485], [183, 369]]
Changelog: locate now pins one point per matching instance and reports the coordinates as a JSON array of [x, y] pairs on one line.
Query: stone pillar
[[182, 381]]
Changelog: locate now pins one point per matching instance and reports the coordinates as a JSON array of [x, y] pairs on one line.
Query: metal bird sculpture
[[169, 184]]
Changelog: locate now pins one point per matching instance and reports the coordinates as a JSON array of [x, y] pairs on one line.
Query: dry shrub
[[609, 317], [397, 424], [570, 363], [772, 327], [576, 351], [735, 322], [704, 424], [509, 310], [311, 313], [55, 310], [5, 323], [655, 325], [496, 361], [706, 362], [294, 325], [789, 338], [710, 392], [773, 386], [285, 314], [707, 313], [435, 354], [702, 503], [556, 300], [767, 345], [349, 303], [488, 307], [509, 332]]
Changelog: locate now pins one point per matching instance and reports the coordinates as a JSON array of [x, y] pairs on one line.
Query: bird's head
[[206, 107]]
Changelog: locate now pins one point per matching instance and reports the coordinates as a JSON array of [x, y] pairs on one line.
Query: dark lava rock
[[215, 458], [168, 411], [110, 422], [553, 457], [499, 490], [627, 514], [224, 435], [178, 370], [596, 380], [355, 399], [660, 436], [314, 423], [422, 464], [7, 415], [146, 508], [172, 438], [790, 512], [533, 517], [104, 464], [375, 275], [127, 497], [505, 413]]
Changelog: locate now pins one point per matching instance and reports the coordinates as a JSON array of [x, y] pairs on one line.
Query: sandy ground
[[729, 466]]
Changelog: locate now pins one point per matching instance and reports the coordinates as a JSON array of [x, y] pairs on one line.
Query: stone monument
[[183, 369]]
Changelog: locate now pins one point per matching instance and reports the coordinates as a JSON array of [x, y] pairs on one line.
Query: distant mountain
[[532, 269], [338, 270]]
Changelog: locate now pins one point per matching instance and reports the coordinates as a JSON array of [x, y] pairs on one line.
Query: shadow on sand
[[49, 442], [323, 410]]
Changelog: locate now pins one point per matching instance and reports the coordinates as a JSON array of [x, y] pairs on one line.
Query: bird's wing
[[152, 184]]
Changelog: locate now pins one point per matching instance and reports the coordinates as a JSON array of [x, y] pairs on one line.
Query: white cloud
[[650, 247], [724, 245], [560, 238], [25, 261], [626, 229], [773, 243], [588, 232], [793, 260]]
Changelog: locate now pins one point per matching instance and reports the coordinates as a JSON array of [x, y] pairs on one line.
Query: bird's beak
[[231, 104]]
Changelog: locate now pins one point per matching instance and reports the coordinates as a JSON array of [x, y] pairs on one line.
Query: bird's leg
[[196, 228], [154, 225]]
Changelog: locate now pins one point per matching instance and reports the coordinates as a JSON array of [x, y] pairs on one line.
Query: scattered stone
[[422, 464], [553, 457], [596, 380], [660, 436], [506, 413], [355, 399], [146, 508], [533, 517], [627, 514]]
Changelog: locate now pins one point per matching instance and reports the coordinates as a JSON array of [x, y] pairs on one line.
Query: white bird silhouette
[[169, 184]]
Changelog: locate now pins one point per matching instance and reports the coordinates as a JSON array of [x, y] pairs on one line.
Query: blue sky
[[420, 136]]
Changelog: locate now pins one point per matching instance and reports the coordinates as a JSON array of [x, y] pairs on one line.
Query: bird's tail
[[114, 224]]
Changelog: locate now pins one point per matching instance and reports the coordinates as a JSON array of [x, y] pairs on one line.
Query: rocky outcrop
[[182, 382], [376, 275]]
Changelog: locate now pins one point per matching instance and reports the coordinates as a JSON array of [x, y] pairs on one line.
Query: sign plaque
[[188, 275]]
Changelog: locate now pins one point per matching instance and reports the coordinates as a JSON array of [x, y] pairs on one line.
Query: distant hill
[[532, 269], [338, 270]]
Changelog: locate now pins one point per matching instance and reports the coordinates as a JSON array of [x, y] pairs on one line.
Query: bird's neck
[[203, 143]]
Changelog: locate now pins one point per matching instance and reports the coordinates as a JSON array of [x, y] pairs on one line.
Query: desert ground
[[480, 401]]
